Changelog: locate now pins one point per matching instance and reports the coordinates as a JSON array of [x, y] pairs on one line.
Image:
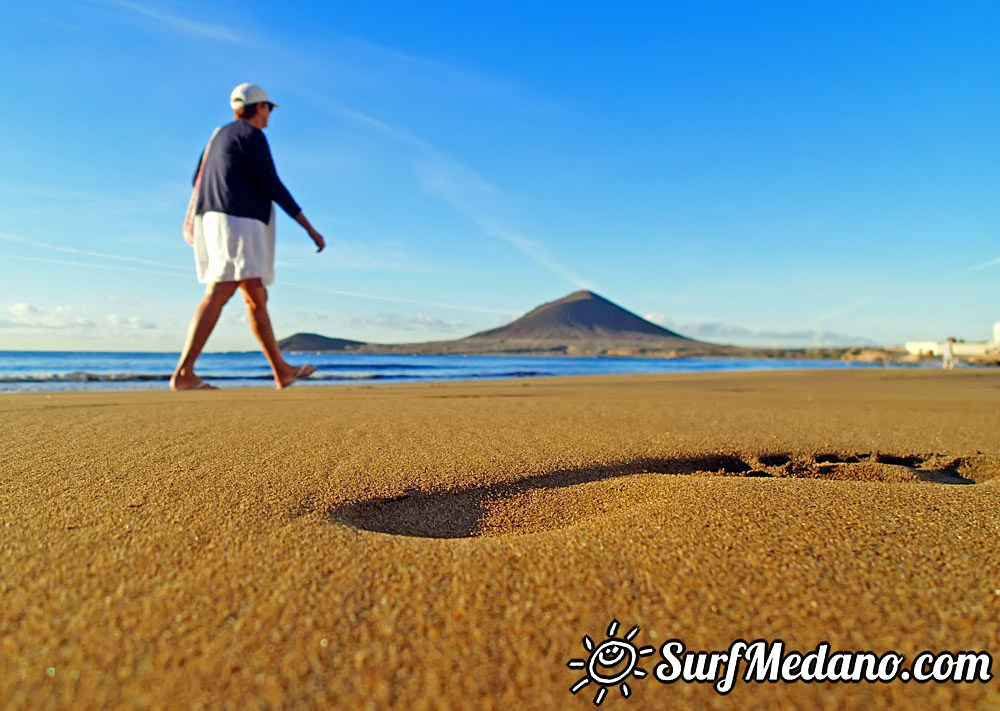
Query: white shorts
[[229, 248]]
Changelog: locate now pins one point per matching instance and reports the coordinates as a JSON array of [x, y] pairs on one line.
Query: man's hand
[[316, 236], [318, 239]]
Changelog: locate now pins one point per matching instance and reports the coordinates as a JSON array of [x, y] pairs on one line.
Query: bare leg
[[204, 320], [255, 294]]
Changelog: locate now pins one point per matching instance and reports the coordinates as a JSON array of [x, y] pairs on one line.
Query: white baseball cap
[[247, 93]]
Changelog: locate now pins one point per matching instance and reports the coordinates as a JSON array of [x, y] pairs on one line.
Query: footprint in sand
[[499, 509]]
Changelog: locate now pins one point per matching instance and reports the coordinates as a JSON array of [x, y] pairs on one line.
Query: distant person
[[230, 224], [948, 359]]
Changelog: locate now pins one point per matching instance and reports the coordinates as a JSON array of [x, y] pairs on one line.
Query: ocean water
[[48, 371]]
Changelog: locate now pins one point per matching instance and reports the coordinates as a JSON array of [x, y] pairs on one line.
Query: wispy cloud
[[396, 299], [413, 69], [53, 193], [26, 316], [721, 332], [407, 322], [102, 267], [454, 183], [464, 191], [67, 322], [123, 264], [119, 259], [984, 265], [184, 25], [843, 311], [377, 256], [129, 323]]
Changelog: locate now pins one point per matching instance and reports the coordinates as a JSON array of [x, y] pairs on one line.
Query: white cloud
[[28, 317], [721, 332], [406, 322], [129, 323], [23, 310], [62, 322], [183, 25]]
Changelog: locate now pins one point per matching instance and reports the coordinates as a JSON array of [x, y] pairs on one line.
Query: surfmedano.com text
[[769, 662]]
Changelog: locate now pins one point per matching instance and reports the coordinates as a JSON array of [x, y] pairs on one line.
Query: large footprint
[[465, 513]]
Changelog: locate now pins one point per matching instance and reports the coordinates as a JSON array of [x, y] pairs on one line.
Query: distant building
[[962, 349]]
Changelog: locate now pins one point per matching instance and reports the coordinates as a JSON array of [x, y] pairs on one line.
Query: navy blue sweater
[[239, 176]]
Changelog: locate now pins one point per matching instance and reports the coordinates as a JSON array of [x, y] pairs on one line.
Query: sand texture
[[448, 546]]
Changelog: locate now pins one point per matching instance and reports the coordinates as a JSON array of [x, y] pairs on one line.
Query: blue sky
[[763, 173]]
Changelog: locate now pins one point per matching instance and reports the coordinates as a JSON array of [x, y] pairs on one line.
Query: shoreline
[[147, 372], [450, 543]]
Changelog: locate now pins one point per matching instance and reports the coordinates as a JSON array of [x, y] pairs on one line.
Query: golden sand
[[448, 546]]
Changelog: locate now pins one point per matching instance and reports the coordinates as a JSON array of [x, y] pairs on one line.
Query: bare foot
[[189, 382], [293, 374]]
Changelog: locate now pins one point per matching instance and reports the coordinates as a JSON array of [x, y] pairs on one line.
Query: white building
[[962, 350]]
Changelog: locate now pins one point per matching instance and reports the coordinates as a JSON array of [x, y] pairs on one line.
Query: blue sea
[[49, 371]]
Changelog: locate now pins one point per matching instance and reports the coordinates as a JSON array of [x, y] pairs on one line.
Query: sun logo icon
[[610, 663]]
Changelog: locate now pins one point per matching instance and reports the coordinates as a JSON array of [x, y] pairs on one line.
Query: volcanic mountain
[[581, 315], [582, 323]]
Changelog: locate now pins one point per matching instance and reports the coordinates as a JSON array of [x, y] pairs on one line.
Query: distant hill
[[314, 342], [581, 315], [582, 323]]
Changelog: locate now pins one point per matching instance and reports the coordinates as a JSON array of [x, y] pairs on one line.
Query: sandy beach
[[449, 546]]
